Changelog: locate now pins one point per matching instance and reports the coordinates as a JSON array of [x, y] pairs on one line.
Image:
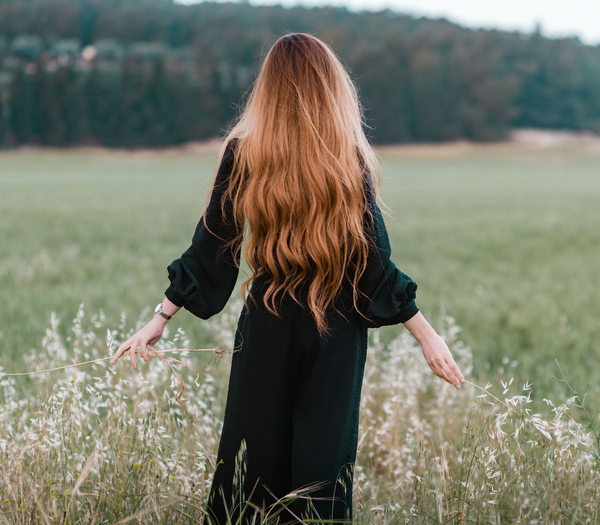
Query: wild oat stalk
[[108, 445], [580, 403]]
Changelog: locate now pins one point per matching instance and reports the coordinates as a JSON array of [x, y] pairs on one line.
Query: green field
[[507, 239]]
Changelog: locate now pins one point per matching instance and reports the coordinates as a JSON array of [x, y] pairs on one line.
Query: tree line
[[152, 72]]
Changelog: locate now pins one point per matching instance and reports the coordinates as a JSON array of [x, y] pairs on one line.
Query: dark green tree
[[160, 106], [2, 122], [42, 106], [21, 106], [66, 116], [386, 76], [87, 21], [100, 105], [126, 123]]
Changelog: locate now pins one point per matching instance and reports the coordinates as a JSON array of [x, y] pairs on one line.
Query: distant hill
[[161, 73]]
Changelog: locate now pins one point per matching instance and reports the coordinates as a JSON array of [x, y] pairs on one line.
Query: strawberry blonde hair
[[297, 191]]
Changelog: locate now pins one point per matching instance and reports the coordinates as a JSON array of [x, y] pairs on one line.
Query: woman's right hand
[[142, 339]]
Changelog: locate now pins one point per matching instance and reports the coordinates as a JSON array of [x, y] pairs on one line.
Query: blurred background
[[154, 73], [486, 117]]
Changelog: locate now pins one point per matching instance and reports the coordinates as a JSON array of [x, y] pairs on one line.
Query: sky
[[556, 18]]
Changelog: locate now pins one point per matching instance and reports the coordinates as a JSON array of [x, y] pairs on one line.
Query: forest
[[132, 73]]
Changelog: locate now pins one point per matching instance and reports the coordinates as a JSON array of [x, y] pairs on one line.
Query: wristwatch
[[158, 310]]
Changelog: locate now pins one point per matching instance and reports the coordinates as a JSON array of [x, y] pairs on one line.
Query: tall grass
[[102, 444]]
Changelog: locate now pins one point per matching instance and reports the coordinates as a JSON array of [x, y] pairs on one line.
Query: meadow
[[502, 240], [507, 240]]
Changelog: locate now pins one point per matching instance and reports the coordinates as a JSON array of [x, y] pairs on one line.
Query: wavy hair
[[297, 190]]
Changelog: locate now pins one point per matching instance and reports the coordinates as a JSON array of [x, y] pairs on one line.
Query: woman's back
[[297, 186], [208, 270]]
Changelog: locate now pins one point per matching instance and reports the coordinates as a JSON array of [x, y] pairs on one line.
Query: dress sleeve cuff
[[409, 311], [174, 297]]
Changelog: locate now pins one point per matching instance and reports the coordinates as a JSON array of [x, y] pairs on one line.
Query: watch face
[[158, 308]]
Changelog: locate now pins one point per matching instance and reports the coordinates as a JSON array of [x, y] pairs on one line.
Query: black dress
[[293, 395]]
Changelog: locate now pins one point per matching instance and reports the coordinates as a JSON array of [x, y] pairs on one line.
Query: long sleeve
[[390, 294], [203, 278]]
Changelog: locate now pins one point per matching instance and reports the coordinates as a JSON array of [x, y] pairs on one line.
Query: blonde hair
[[297, 191]]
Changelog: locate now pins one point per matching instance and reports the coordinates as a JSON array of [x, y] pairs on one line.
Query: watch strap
[[160, 312]]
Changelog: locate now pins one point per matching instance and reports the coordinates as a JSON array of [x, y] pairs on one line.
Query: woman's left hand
[[435, 350], [142, 339], [438, 357]]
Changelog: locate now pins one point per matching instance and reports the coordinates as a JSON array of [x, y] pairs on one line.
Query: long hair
[[297, 190]]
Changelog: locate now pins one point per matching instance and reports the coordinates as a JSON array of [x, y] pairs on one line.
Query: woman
[[294, 193]]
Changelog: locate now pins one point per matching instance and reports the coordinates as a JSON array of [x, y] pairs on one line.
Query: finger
[[119, 352], [132, 351], [450, 377], [437, 366], [144, 352], [454, 367], [439, 371], [442, 373]]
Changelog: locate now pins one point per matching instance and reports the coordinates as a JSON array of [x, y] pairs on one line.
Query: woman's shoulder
[[226, 164], [231, 146]]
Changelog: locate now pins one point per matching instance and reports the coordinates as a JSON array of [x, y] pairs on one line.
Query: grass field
[[503, 239], [507, 239]]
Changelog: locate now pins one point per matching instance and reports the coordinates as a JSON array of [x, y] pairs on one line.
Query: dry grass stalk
[[111, 445]]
